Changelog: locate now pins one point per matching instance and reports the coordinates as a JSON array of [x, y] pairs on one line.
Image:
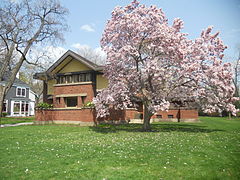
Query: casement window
[[62, 80], [16, 107], [170, 116], [75, 78], [24, 106], [58, 100], [68, 79], [21, 92], [88, 77], [159, 116], [20, 107], [71, 101]]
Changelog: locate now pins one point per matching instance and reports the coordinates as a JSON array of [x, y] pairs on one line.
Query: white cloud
[[88, 27], [80, 46]]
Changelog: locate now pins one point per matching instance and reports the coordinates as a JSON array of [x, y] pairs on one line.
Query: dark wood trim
[[94, 80], [74, 73], [65, 64], [45, 87]]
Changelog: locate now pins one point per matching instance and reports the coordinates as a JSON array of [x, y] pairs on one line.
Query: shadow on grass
[[109, 128]]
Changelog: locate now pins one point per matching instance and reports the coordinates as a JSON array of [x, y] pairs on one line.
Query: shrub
[[138, 116], [4, 114], [89, 105], [238, 114], [44, 106]]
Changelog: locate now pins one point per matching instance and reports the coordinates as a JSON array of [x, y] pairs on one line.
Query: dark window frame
[[21, 92], [170, 116], [74, 78], [159, 116], [71, 101]]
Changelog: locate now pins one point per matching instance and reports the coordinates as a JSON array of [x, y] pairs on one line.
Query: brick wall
[[189, 114], [82, 115], [182, 114], [72, 89], [116, 116], [164, 114]]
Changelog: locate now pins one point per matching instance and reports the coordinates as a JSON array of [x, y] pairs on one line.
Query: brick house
[[72, 81]]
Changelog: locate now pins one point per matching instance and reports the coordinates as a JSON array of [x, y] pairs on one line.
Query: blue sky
[[87, 20]]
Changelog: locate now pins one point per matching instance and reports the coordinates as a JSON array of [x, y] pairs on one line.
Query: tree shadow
[[161, 127]]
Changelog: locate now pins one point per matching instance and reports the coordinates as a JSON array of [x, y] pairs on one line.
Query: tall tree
[[23, 25], [237, 81], [237, 76], [94, 55], [26, 75], [153, 62]]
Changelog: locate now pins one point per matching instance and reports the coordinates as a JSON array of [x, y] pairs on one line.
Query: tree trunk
[[2, 95], [146, 118], [229, 115], [179, 114]]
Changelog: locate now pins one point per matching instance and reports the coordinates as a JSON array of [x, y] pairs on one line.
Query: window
[[16, 107], [58, 100], [88, 77], [170, 116], [27, 108], [75, 78], [62, 79], [23, 106], [24, 92], [71, 101], [68, 79], [159, 116], [20, 107], [82, 77], [21, 92]]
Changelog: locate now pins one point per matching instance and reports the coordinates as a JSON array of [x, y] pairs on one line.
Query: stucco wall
[[50, 85], [102, 82], [74, 66]]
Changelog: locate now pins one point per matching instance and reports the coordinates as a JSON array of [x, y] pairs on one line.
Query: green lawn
[[206, 150], [15, 120]]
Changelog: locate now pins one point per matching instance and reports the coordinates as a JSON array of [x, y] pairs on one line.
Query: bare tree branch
[[23, 25]]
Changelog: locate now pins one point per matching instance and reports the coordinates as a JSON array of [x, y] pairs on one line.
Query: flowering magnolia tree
[[152, 62]]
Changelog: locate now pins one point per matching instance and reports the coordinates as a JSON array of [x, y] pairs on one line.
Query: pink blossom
[[150, 61]]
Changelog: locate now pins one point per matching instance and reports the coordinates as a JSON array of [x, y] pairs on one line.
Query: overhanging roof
[[91, 65], [77, 57]]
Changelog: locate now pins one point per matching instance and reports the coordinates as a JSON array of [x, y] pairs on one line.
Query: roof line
[[77, 57]]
